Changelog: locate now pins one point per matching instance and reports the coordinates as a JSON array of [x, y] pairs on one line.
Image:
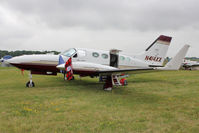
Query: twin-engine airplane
[[108, 65], [189, 64]]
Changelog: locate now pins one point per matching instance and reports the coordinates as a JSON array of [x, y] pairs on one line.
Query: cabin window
[[122, 58], [95, 54], [81, 53], [128, 59], [105, 56]]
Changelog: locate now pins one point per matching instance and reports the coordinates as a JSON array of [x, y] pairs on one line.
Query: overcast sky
[[129, 25]]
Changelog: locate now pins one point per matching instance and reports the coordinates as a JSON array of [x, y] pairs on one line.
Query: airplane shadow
[[129, 93], [153, 80]]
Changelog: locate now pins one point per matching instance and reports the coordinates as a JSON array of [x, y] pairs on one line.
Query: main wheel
[[30, 85]]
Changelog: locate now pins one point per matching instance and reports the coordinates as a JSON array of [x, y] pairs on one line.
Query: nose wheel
[[30, 83]]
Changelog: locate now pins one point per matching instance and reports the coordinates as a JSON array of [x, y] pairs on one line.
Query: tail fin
[[154, 55], [176, 61]]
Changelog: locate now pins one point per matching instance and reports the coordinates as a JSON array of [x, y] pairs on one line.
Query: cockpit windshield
[[69, 52]]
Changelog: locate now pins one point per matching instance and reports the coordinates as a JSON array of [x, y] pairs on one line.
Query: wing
[[98, 69], [134, 71]]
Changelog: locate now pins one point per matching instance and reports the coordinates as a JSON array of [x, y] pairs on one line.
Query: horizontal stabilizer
[[177, 60]]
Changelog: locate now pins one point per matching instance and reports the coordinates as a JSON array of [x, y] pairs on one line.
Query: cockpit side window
[[69, 52], [75, 56]]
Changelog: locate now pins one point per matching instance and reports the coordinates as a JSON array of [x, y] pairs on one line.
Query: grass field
[[152, 103]]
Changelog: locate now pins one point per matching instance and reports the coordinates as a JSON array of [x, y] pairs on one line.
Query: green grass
[[166, 101]]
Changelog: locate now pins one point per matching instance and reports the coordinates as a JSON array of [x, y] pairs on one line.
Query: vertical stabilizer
[[155, 54]]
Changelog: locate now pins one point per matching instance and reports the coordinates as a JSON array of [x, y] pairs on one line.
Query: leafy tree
[[24, 52]]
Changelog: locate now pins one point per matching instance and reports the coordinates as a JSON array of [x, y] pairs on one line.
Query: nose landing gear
[[30, 83]]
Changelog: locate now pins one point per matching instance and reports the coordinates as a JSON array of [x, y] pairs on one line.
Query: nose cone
[[30, 62], [15, 60], [9, 61]]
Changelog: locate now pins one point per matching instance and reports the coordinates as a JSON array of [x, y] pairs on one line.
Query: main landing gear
[[30, 83], [112, 80], [108, 83]]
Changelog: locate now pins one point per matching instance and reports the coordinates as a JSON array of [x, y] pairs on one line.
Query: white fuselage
[[83, 60], [103, 58]]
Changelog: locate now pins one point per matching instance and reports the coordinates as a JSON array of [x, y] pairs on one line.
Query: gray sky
[[129, 25]]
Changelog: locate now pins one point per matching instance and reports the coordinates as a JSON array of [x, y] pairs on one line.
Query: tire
[[30, 85]]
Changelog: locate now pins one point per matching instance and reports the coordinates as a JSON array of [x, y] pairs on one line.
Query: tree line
[[24, 52]]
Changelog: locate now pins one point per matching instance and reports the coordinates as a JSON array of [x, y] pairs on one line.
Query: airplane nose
[[15, 61], [12, 61], [9, 61]]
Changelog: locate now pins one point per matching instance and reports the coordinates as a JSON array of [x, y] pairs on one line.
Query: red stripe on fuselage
[[52, 68], [36, 66]]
